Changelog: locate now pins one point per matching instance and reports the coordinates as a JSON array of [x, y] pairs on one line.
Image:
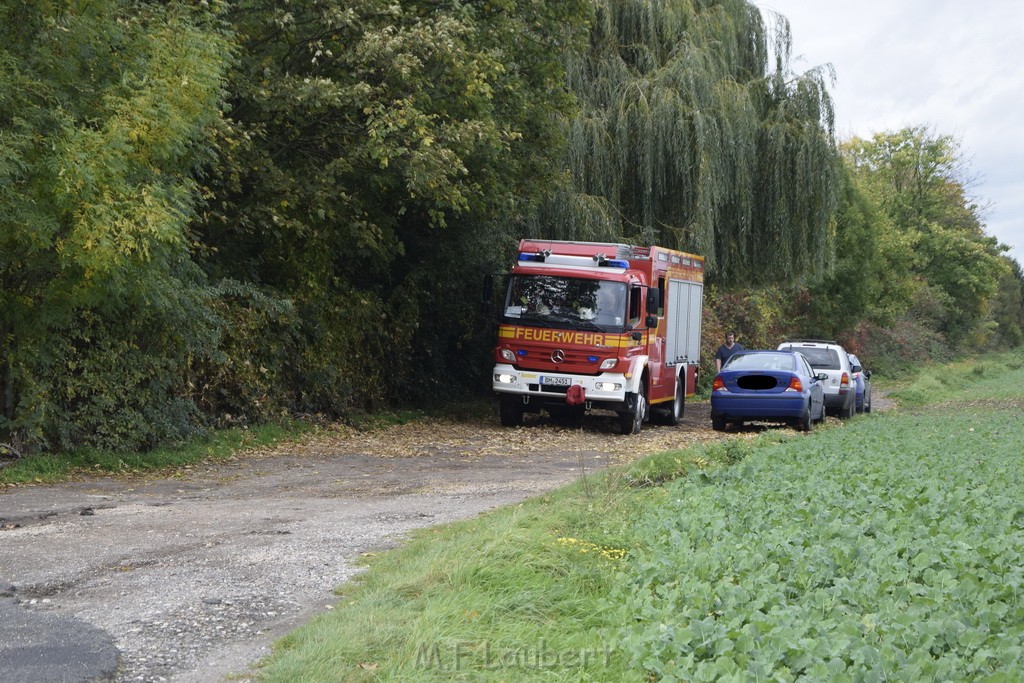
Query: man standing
[[726, 351]]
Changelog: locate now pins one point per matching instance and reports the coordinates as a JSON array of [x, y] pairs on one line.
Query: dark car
[[768, 386], [862, 381]]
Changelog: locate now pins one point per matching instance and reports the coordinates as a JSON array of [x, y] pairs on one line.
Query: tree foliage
[[689, 135], [105, 118], [220, 212], [1008, 306], [921, 181], [368, 143]]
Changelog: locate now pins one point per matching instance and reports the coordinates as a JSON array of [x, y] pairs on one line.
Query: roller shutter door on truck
[[685, 300]]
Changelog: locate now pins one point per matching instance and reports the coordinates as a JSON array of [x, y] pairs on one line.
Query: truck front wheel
[[511, 412]]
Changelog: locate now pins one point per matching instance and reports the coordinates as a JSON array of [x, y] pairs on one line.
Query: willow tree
[[694, 132]]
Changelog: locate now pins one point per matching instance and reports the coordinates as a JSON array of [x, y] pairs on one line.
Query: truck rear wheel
[[511, 412], [673, 412], [632, 421]]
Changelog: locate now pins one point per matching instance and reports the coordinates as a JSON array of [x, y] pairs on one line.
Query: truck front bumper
[[608, 389]]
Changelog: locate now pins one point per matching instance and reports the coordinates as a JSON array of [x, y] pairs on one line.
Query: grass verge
[[992, 377], [218, 445], [890, 547]]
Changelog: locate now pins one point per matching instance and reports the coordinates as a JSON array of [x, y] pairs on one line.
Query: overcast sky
[[956, 66]]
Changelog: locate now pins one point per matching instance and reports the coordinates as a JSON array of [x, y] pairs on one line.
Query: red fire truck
[[588, 325]]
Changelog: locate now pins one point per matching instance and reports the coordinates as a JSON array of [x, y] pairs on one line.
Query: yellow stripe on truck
[[596, 339]]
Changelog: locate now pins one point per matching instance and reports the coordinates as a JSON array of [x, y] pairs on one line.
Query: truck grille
[[576, 362]]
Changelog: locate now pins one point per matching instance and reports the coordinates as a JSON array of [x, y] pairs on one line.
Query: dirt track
[[196, 572]]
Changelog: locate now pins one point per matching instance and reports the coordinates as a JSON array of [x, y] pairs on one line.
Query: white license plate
[[556, 381]]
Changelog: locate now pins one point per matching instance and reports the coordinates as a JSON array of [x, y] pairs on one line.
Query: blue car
[[862, 384], [768, 386]]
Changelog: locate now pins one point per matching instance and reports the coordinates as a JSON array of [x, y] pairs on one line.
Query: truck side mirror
[[653, 301], [651, 321]]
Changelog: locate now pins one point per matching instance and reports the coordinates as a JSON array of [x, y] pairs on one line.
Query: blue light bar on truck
[[571, 260], [537, 257]]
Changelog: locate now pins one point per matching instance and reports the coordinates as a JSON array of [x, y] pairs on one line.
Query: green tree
[[1008, 306], [369, 145], [105, 111], [844, 294], [921, 180]]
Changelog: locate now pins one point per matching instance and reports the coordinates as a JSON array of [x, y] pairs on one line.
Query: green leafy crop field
[[891, 548]]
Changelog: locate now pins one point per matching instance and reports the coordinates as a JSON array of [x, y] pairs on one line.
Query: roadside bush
[[760, 317], [351, 354], [905, 346], [242, 381], [114, 379], [279, 356]]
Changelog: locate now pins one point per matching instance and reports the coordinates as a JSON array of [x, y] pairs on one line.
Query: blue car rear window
[[760, 361]]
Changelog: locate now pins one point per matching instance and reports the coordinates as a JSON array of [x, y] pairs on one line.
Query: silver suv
[[832, 359]]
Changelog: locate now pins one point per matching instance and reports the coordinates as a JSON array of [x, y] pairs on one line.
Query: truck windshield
[[564, 302]]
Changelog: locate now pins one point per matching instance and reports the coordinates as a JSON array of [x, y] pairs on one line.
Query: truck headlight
[[507, 355], [504, 379], [609, 363]]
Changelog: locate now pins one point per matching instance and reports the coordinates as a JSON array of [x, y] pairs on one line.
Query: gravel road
[[194, 573]]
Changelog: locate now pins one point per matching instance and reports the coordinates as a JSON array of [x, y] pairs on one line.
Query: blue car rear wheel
[[806, 422]]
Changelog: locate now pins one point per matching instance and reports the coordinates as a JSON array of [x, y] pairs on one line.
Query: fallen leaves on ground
[[595, 434]]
